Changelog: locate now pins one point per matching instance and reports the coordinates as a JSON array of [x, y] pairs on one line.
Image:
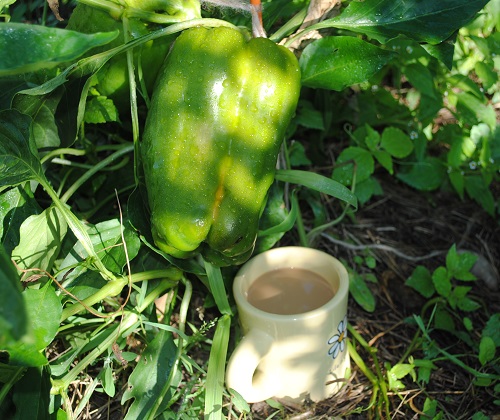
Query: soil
[[403, 229]]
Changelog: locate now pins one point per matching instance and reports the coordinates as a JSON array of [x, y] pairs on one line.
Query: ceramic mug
[[289, 350]]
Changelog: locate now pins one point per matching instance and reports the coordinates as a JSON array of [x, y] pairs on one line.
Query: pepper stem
[[257, 26]]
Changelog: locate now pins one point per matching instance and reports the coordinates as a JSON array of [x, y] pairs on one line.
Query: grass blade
[[214, 386]]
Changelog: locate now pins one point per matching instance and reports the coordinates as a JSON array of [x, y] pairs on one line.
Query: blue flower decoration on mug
[[337, 342]]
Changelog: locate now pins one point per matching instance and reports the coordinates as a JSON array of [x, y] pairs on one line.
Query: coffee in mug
[[288, 291], [292, 307]]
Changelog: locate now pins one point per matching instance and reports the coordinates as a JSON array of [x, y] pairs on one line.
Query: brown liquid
[[288, 291]]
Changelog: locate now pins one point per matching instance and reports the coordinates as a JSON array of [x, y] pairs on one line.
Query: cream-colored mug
[[292, 306]]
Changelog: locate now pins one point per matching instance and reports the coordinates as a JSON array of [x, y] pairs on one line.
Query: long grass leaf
[[319, 183], [217, 287], [214, 386]]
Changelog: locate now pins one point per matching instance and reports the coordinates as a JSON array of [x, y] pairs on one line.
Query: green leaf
[[43, 310], [472, 110], [31, 394], [41, 237], [18, 154], [216, 283], [214, 385], [42, 110], [150, 376], [27, 48], [298, 155], [372, 138], [443, 320], [426, 175], [425, 368], [13, 318], [308, 117], [425, 21], [443, 51], [341, 61], [108, 383], [487, 350], [107, 242], [100, 110], [44, 313], [361, 292], [276, 219], [492, 329], [467, 304], [366, 189], [398, 372], [16, 205], [441, 281], [486, 73], [385, 159], [353, 163], [478, 190], [396, 142], [457, 179], [319, 183], [421, 281], [239, 402], [460, 264]]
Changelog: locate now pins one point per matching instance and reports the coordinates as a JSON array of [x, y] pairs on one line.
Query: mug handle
[[243, 364]]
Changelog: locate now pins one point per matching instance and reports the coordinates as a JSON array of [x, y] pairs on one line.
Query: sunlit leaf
[[341, 61], [150, 376], [319, 183], [425, 21], [41, 237], [27, 48]]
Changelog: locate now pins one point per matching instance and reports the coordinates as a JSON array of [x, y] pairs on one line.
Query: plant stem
[[77, 227], [115, 286], [96, 168], [60, 385], [378, 381]]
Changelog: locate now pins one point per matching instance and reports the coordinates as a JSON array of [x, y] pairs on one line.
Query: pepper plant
[[92, 109]]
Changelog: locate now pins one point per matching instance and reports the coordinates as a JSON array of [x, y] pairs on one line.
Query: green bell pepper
[[217, 119]]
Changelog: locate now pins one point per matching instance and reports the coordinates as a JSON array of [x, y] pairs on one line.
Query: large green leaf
[[32, 394], [42, 109], [214, 386], [27, 48], [18, 154], [150, 376], [353, 164], [424, 20], [43, 314], [341, 61], [13, 317], [427, 175], [41, 236]]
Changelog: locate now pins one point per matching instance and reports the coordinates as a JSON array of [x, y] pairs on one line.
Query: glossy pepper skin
[[217, 119]]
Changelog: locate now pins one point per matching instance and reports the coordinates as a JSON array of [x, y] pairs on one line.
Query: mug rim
[[336, 300]]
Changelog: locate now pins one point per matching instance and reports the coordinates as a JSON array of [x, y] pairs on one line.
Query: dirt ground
[[403, 229]]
